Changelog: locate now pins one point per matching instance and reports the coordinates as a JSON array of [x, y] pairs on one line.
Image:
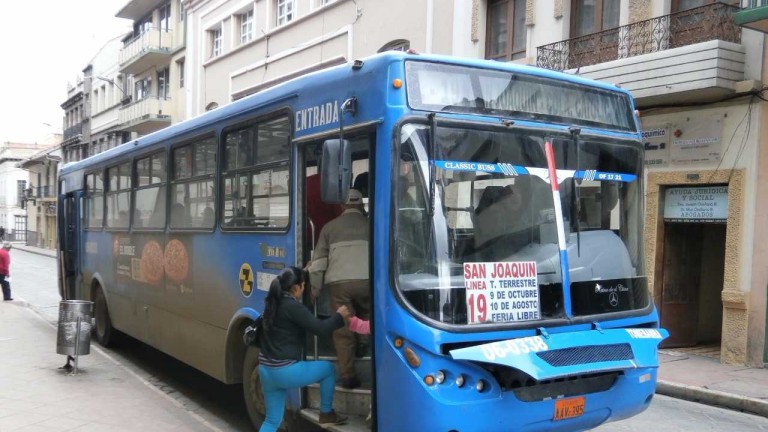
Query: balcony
[[691, 55], [146, 50], [754, 17], [73, 132], [146, 115], [46, 191]]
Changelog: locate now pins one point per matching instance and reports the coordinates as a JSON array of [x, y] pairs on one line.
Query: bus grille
[[587, 354]]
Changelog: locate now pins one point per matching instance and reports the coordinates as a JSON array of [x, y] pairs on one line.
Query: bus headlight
[[480, 386], [460, 380], [440, 377]]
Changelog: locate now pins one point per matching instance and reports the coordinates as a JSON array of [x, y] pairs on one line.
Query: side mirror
[[335, 171]]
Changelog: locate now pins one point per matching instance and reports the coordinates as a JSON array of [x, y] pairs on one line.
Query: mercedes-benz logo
[[613, 298]]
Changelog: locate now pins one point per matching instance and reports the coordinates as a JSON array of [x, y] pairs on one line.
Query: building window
[[506, 33], [285, 11], [163, 81], [215, 42], [324, 2], [180, 66], [142, 26], [246, 27], [593, 16], [142, 88], [165, 17], [396, 45]]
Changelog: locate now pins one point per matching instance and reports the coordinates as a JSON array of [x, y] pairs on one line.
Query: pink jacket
[[356, 325]]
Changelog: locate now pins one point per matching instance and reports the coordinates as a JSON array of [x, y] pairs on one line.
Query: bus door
[[316, 216], [68, 250]]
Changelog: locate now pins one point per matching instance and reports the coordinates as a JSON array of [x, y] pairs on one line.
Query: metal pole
[[77, 343]]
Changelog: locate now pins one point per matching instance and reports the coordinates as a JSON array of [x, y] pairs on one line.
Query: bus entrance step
[[345, 401], [355, 423], [362, 369]]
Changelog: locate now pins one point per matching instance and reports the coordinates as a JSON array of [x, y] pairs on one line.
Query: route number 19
[[478, 307]]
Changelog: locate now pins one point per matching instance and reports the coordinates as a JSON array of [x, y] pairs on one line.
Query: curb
[[713, 397], [41, 253]]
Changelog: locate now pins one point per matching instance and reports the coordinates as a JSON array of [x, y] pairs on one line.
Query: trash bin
[[72, 313]]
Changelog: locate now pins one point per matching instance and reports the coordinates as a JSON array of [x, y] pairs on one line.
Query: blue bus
[[507, 270]]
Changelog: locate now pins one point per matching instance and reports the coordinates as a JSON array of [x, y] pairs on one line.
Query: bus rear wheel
[[254, 398], [104, 332]]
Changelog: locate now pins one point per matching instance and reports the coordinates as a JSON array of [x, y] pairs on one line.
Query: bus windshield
[[462, 89], [479, 244]]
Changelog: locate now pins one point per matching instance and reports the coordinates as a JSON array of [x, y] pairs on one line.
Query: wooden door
[[680, 283]]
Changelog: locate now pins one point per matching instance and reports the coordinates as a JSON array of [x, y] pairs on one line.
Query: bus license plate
[[569, 408]]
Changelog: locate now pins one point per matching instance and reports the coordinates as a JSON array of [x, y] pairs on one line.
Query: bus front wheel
[[105, 334], [254, 398]]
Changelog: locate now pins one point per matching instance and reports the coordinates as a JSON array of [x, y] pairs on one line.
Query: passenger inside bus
[[207, 217], [177, 215], [502, 222]]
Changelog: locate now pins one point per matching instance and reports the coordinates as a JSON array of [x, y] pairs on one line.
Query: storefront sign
[[696, 204]]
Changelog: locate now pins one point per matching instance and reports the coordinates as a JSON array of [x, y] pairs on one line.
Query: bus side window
[[256, 176], [192, 190], [149, 205]]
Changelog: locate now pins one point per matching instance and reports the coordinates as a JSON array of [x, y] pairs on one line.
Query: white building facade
[[40, 198], [14, 187]]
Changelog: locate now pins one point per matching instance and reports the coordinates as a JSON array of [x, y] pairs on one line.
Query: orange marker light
[[397, 83], [412, 358], [398, 342], [429, 380]]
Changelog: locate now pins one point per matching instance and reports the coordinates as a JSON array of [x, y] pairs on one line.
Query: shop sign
[[696, 204]]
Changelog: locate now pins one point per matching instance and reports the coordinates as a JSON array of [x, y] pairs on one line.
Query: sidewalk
[[36, 395], [706, 380], [34, 392]]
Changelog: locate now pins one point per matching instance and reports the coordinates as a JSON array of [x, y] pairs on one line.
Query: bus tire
[[254, 398], [103, 330]]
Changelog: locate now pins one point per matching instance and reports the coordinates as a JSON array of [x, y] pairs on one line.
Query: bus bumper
[[628, 357]]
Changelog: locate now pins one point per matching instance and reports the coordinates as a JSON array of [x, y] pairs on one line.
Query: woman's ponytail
[[280, 285]]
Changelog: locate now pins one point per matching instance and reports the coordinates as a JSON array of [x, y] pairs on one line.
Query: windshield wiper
[[576, 194], [469, 106], [431, 160]]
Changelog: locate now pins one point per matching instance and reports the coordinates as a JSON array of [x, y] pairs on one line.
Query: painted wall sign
[[696, 204], [656, 143]]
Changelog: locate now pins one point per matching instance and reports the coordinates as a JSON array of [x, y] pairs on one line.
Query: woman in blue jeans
[[281, 363]]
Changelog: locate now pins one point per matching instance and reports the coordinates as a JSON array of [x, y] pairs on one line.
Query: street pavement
[[37, 395]]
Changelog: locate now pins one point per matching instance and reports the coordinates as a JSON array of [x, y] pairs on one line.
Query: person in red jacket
[[5, 266]]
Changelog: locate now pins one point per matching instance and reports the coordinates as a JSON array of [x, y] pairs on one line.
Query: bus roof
[[325, 78]]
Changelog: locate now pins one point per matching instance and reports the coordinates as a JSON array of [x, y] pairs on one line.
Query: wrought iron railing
[[701, 24]]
